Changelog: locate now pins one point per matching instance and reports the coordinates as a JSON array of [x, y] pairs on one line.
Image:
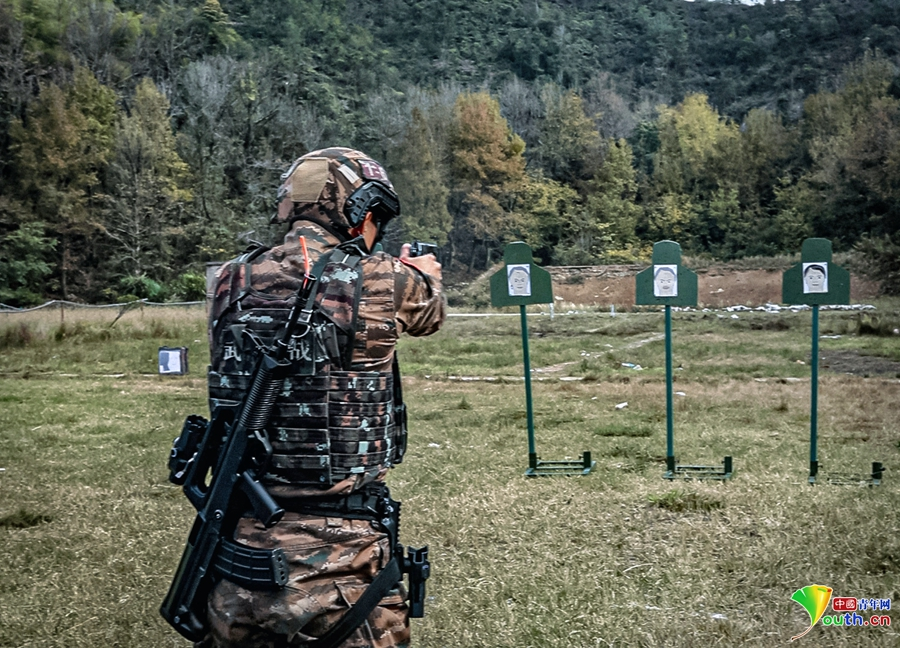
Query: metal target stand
[[832, 288], [687, 472], [841, 479], [518, 283], [681, 290], [538, 468]]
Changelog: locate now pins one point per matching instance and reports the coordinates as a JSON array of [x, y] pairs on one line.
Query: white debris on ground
[[773, 308], [738, 308]]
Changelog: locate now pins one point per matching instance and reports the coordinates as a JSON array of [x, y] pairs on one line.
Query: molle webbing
[[341, 424], [333, 426]]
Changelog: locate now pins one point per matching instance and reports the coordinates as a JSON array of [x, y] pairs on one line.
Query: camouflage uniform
[[331, 559]]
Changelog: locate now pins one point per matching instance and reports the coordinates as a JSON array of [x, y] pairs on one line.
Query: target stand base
[[847, 479], [689, 472], [538, 468]]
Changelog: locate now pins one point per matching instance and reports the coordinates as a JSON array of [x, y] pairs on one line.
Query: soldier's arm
[[419, 301]]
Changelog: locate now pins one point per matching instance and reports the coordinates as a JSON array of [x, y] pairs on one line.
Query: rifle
[[218, 463]]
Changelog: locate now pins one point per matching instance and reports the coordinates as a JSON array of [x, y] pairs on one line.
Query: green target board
[[816, 281], [666, 282], [520, 282]]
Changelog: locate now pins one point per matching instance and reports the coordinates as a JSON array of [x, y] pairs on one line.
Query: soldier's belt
[[365, 504], [257, 569], [262, 568]]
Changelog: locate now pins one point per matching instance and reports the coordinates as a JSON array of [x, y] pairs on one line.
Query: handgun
[[420, 248]]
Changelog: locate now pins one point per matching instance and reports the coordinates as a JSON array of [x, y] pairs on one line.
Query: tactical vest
[[329, 423]]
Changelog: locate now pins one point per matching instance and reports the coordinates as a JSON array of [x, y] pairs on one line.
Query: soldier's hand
[[427, 264]]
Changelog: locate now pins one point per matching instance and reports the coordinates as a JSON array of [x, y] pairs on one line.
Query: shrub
[[142, 287], [17, 335], [190, 286]]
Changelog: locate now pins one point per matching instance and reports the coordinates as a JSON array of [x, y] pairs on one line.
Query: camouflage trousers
[[331, 561]]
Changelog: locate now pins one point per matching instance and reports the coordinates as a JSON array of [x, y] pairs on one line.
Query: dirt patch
[[716, 288], [852, 362]]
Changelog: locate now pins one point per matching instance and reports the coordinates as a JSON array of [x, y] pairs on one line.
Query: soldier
[[339, 423]]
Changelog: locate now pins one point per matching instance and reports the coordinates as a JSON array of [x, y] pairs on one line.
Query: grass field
[[91, 531]]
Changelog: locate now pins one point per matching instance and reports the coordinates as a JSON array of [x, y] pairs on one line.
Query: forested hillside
[[140, 139]]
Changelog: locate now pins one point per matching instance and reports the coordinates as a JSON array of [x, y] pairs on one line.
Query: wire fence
[[549, 310], [58, 303], [48, 317]]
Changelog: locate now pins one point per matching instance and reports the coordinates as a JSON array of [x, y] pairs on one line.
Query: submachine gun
[[220, 461]]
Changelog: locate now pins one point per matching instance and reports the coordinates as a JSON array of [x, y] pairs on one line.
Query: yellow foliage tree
[[488, 168]]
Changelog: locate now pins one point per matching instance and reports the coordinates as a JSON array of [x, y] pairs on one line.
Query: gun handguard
[[231, 455]]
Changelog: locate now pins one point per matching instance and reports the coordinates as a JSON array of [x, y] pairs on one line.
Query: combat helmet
[[336, 187]]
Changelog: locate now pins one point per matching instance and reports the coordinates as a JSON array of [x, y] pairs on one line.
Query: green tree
[[208, 91], [485, 151], [102, 38], [24, 254], [558, 227], [487, 167], [146, 177], [611, 198], [881, 261], [220, 35], [14, 73], [740, 213], [60, 150], [853, 138], [569, 148], [764, 150], [45, 23], [420, 185], [688, 170], [691, 135]]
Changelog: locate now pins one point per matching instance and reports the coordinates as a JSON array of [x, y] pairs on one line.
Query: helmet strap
[[369, 230]]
